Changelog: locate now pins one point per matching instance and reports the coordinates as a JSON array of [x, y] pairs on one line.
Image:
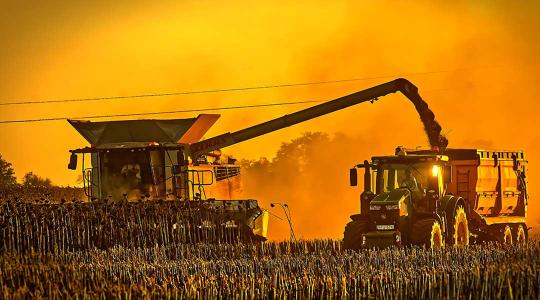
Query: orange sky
[[70, 49]]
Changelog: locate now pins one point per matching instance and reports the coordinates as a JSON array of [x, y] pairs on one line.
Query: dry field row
[[305, 269]]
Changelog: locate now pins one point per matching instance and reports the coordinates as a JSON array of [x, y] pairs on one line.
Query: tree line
[[8, 179]]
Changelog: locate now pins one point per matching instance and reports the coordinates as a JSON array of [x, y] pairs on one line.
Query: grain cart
[[433, 198], [167, 160]]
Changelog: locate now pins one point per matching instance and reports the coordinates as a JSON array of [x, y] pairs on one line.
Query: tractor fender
[[449, 204], [426, 215]]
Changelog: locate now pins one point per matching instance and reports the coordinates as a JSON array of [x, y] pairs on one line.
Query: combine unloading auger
[[431, 126]]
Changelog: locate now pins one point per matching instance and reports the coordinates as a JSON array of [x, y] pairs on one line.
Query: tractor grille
[[383, 219]]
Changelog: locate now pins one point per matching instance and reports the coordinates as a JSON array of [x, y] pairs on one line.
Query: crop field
[[151, 249], [304, 269]]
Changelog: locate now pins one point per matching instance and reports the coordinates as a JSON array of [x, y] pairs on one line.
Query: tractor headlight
[[435, 171], [375, 207], [392, 207]]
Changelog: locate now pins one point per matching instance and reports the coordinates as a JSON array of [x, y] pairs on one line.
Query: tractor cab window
[[412, 176]]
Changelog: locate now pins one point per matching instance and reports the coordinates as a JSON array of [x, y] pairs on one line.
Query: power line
[[150, 95], [161, 112], [192, 110]]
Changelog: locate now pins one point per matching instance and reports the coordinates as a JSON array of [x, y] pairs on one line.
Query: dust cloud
[[310, 175]]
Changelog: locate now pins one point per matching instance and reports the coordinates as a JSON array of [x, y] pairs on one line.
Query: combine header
[[166, 160]]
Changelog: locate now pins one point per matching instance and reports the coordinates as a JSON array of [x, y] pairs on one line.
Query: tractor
[[437, 198]]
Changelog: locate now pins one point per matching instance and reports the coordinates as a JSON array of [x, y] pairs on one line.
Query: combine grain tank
[[431, 198]]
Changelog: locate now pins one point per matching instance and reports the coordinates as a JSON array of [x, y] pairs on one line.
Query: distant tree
[[7, 174], [32, 180], [298, 153]]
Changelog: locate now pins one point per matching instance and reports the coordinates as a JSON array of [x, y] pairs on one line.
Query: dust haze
[[310, 174], [486, 98]]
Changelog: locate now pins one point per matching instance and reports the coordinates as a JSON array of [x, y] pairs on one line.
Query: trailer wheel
[[427, 232], [520, 235], [352, 237], [507, 236], [459, 228]]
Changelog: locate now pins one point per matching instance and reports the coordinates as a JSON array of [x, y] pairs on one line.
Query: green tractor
[[431, 199]]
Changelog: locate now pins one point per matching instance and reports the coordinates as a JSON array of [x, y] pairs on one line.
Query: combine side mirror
[[72, 162], [353, 177]]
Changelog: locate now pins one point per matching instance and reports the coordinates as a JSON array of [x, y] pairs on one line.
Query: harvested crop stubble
[[305, 269]]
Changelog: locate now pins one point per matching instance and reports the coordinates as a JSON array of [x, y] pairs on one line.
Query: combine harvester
[[166, 160], [433, 198]]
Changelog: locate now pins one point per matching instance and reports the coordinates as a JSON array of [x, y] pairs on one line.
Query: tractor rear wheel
[[459, 228], [427, 233], [352, 237]]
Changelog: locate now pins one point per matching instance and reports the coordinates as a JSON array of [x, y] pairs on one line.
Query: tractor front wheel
[[427, 232], [352, 237]]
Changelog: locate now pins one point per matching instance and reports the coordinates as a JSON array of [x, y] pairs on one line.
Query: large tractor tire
[[458, 228], [352, 237], [427, 233], [520, 234]]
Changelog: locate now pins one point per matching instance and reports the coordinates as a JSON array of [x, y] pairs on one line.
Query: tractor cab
[[420, 176]]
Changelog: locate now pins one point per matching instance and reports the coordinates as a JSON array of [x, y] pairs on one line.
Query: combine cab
[[427, 198]]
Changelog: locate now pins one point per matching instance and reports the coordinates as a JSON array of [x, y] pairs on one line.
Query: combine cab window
[[132, 173]]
